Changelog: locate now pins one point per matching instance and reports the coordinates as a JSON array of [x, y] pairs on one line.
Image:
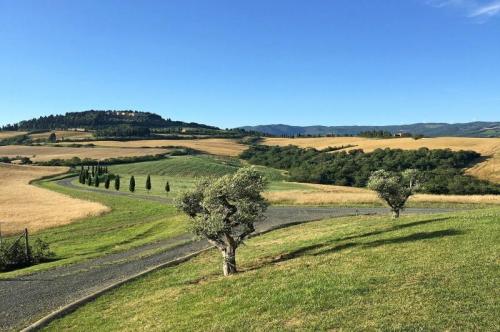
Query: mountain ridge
[[431, 129]]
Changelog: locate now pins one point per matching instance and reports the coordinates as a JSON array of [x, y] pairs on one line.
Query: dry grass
[[61, 134], [487, 170], [7, 134], [216, 146], [45, 153], [488, 147], [23, 205], [338, 195]]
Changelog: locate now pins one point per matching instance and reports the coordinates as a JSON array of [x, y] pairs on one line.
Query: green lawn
[[130, 223], [433, 272]]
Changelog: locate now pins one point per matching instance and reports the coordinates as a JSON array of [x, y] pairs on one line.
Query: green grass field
[[432, 272], [182, 171], [192, 167]]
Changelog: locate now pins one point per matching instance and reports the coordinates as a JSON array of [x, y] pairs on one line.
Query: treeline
[[443, 169], [386, 134], [94, 175], [76, 161], [123, 131]]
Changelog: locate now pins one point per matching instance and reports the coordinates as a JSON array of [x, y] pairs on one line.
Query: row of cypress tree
[[90, 176], [148, 184]]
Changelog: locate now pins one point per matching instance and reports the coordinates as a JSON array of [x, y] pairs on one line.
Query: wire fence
[[15, 240]]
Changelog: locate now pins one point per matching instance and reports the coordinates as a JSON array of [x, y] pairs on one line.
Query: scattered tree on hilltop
[[224, 211], [395, 188], [167, 187], [52, 137]]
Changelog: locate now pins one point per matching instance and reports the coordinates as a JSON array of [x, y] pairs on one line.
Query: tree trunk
[[229, 260], [395, 213]]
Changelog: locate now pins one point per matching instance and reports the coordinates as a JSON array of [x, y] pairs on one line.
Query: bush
[[13, 254]]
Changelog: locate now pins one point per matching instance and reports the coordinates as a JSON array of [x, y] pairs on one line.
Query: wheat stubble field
[[45, 153], [319, 194], [63, 134], [215, 146], [487, 147], [24, 205], [7, 134]]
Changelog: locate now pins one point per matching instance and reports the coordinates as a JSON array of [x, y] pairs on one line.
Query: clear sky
[[231, 63]]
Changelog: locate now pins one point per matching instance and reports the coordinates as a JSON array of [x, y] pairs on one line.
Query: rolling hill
[[470, 129], [97, 119]]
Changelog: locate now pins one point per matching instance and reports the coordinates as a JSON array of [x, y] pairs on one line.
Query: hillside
[[96, 119], [470, 129], [489, 148], [420, 273]]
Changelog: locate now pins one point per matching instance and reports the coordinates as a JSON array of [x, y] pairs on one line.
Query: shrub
[[13, 254]]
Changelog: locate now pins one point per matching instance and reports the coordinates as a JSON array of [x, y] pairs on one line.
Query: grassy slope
[[182, 171], [130, 223], [359, 273]]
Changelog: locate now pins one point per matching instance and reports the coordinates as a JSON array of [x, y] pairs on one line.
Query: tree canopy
[[224, 210]]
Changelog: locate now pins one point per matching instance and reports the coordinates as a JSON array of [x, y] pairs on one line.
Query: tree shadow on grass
[[311, 250], [393, 228]]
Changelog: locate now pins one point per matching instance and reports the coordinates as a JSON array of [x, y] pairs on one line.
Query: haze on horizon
[[261, 62]]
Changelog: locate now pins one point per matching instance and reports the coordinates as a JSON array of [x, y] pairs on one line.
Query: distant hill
[[96, 119], [470, 129]]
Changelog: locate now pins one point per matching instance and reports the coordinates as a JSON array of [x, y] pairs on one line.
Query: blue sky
[[232, 63]]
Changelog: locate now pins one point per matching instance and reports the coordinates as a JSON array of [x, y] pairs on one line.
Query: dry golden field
[[338, 195], [62, 134], [45, 153], [216, 146], [24, 205], [488, 147], [7, 134]]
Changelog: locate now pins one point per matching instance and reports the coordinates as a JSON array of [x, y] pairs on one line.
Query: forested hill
[[470, 129], [95, 119]]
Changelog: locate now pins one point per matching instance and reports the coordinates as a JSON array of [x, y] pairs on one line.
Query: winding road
[[28, 298]]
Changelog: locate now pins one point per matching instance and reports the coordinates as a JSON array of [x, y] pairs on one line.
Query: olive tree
[[395, 188], [224, 211]]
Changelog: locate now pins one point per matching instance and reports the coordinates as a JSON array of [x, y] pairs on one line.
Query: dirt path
[[28, 298]]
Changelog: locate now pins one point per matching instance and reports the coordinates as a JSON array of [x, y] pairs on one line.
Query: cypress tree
[[167, 187], [148, 183], [96, 181], [89, 181], [131, 185], [117, 182], [106, 182]]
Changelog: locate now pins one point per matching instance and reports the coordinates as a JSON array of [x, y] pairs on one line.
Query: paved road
[[26, 299]]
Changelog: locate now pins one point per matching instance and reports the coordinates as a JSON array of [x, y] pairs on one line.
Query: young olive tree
[[224, 211], [395, 188]]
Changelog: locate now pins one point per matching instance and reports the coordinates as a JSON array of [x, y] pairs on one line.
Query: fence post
[[27, 248]]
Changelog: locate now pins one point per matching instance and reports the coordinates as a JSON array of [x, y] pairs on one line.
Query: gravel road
[[28, 298]]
